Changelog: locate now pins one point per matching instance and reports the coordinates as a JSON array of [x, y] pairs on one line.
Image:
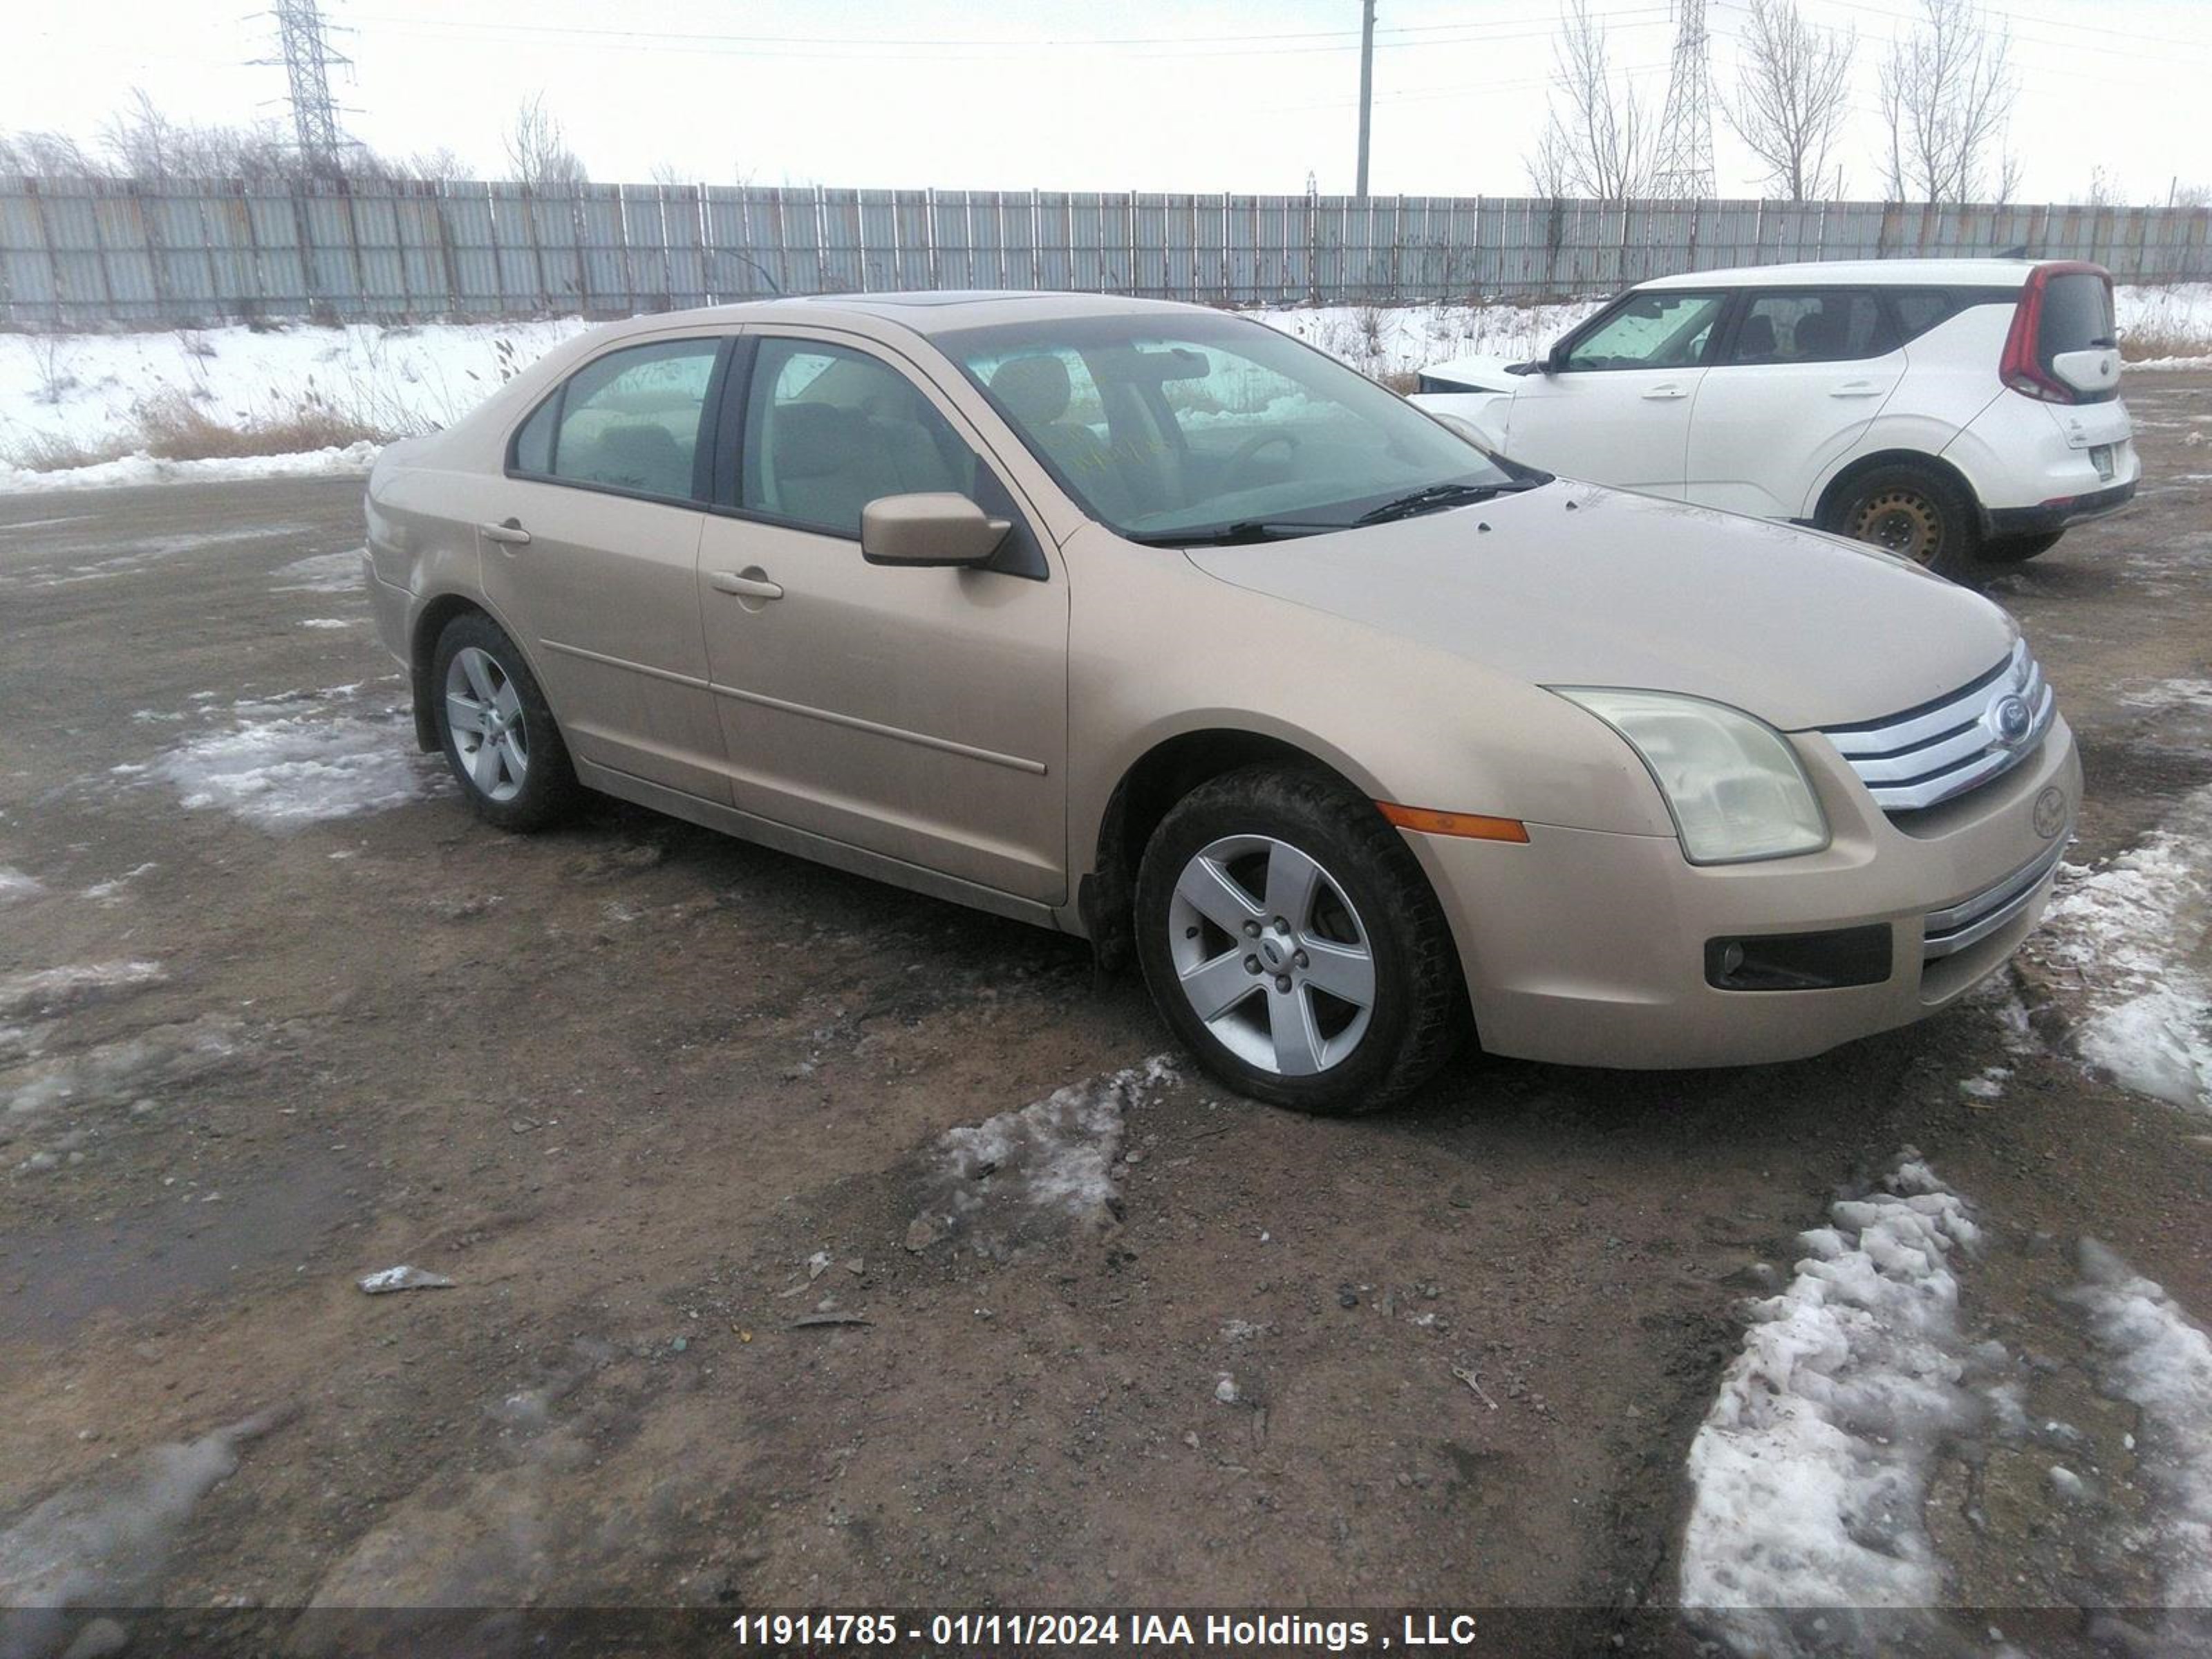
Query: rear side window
[[1823, 325], [1661, 330], [828, 430], [1919, 310], [628, 420], [2077, 315]]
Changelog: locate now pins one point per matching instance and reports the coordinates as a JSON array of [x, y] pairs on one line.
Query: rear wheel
[[497, 731], [1912, 511], [1289, 938]]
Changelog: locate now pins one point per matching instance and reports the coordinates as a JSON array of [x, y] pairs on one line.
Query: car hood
[[1574, 585], [1475, 373]]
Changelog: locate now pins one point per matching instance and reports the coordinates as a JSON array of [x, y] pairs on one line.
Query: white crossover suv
[[1949, 410]]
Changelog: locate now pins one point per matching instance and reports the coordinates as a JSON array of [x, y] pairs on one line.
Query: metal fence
[[76, 252]]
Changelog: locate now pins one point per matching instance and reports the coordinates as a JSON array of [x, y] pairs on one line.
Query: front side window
[[1661, 330], [628, 420], [828, 429], [1183, 427], [1829, 325]]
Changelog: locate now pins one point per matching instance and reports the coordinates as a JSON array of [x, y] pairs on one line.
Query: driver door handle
[[745, 587], [508, 532], [1664, 394]]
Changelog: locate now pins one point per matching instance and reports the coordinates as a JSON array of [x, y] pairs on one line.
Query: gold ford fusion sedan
[[1149, 624]]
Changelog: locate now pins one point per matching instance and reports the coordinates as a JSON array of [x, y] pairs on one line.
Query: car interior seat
[[1035, 391]]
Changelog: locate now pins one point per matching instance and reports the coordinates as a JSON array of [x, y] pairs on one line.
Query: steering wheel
[[1232, 468]]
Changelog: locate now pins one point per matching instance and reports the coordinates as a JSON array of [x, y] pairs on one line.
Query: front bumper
[[1590, 948]]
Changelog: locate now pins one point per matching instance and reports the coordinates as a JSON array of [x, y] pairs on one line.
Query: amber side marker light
[[1472, 826]]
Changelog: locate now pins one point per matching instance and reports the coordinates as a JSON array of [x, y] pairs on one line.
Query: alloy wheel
[[485, 713], [1271, 955]]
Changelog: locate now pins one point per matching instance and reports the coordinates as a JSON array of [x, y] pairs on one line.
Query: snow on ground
[[323, 573], [15, 886], [991, 1184], [131, 558], [2159, 1360], [284, 762], [89, 388], [102, 1542], [50, 990], [2121, 944], [1808, 1474]]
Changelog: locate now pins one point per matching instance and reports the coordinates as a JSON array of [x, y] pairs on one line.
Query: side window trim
[[556, 400], [1022, 553]]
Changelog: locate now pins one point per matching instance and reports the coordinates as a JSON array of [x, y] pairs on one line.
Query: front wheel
[[1289, 937], [1912, 511], [497, 731]]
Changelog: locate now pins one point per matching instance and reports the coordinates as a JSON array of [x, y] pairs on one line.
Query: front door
[[918, 713], [1617, 409], [594, 561]]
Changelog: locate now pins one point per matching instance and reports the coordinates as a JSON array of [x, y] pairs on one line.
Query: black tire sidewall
[[1957, 556], [549, 784], [1377, 897]]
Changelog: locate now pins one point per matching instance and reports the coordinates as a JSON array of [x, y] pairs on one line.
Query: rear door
[[919, 714], [1799, 375], [1616, 410], [594, 563]]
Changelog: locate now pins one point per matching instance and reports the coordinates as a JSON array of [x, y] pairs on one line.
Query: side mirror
[[1555, 359], [938, 528]]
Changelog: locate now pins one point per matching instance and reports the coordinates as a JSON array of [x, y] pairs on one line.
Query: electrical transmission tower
[[304, 40], [1684, 165]]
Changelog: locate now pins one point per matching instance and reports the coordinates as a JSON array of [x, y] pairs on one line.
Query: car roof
[[924, 312], [1881, 273]]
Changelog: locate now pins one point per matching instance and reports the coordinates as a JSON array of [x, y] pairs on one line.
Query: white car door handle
[[745, 587], [508, 532], [1857, 389], [1664, 394]]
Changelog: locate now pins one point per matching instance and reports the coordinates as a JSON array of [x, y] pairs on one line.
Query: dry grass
[[173, 427], [2145, 344], [55, 451]]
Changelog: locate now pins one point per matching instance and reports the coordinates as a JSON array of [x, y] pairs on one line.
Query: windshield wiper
[[1436, 497], [1239, 534]]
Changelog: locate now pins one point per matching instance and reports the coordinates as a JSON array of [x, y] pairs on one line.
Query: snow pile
[[1809, 1473], [1387, 340], [281, 766], [15, 886], [105, 1541], [2120, 939], [50, 990], [353, 461], [2160, 1361], [2181, 311], [999, 1182]]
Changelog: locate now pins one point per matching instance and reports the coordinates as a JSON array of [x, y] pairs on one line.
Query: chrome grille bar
[[1972, 919], [1940, 750]]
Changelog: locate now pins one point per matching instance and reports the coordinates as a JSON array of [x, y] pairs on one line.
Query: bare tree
[[47, 156], [1946, 95], [1596, 141], [1792, 99], [2188, 195], [538, 151]]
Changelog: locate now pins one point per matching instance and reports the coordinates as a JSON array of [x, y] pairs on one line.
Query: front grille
[[1960, 742], [1951, 930]]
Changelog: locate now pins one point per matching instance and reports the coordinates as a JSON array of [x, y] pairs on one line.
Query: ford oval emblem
[[2009, 718], [2049, 812]]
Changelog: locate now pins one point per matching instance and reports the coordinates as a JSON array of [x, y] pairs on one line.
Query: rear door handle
[[745, 587], [1857, 389], [1664, 394], [508, 532]]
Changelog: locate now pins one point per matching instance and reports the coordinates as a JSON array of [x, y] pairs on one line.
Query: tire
[[525, 782], [1341, 881], [2016, 550], [1913, 512]]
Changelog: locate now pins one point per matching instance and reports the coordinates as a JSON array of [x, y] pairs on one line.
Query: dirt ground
[[648, 1097]]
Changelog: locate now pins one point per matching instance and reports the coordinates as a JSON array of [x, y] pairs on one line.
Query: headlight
[[1732, 782]]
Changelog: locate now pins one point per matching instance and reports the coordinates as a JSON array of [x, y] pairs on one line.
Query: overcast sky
[[1135, 94]]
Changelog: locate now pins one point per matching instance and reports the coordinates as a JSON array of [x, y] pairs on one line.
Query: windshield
[[1171, 429]]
